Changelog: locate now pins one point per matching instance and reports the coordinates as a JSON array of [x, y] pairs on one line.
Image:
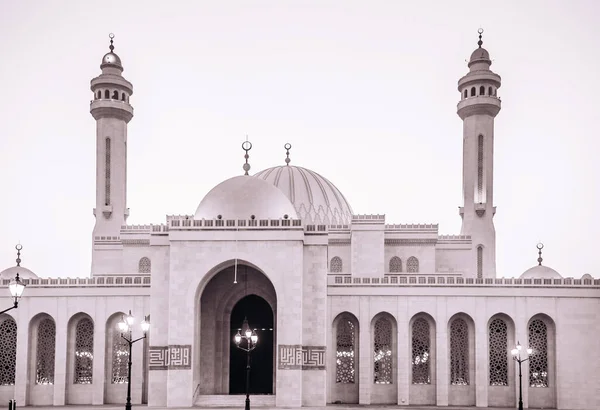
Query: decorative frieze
[[172, 357], [340, 241], [136, 242], [410, 242], [301, 357]]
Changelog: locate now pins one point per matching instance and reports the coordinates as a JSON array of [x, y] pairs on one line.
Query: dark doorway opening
[[260, 317]]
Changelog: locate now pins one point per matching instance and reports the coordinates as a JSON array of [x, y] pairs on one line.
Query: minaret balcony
[[480, 105], [103, 108]]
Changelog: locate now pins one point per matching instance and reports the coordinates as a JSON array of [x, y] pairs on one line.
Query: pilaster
[[99, 377], [365, 374], [403, 352], [60, 355], [441, 342], [481, 354]]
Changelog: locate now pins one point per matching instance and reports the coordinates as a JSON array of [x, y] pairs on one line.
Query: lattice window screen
[[382, 352], [459, 352], [498, 351], [145, 266], [84, 351], [412, 265], [395, 265], [335, 265], [46, 347], [120, 356], [346, 337], [421, 345], [538, 361], [8, 352]]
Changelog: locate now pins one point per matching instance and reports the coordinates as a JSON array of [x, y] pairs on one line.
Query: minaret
[[112, 112], [478, 107]]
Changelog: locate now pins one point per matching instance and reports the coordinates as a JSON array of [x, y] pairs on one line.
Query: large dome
[[24, 273], [243, 196], [540, 272], [315, 198]]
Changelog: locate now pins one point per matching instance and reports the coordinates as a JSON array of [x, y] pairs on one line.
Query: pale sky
[[364, 91]]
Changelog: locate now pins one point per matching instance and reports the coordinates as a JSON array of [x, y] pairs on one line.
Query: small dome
[[242, 196], [315, 198], [480, 55], [111, 59], [540, 272], [11, 273]]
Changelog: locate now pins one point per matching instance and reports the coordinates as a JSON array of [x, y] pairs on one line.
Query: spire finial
[[540, 246], [287, 147], [480, 42], [111, 36], [18, 248], [246, 146]]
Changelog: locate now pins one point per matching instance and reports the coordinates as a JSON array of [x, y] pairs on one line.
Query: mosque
[[344, 308]]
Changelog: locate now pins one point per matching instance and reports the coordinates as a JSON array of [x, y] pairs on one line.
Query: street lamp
[[251, 340], [16, 288], [125, 326], [516, 353]]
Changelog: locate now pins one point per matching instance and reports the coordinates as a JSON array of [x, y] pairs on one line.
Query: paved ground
[[329, 407]]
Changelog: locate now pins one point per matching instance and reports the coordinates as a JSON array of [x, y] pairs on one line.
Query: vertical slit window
[[107, 173], [480, 169], [8, 347], [480, 261]]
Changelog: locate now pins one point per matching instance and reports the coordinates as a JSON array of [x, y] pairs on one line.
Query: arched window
[[395, 265], [107, 173], [482, 90], [122, 96], [8, 347], [84, 351], [498, 348], [382, 352], [480, 261], [538, 361], [466, 93], [480, 168], [412, 265], [106, 94], [459, 352], [473, 91], [99, 95], [421, 345], [335, 265], [490, 91], [346, 351], [144, 265], [120, 356], [115, 95], [46, 346]]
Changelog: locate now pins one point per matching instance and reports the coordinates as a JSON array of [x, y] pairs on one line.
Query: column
[[442, 354], [21, 316], [365, 373], [60, 351], [481, 354], [403, 356], [99, 378]]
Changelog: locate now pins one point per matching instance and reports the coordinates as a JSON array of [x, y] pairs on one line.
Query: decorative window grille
[[46, 346], [538, 361], [480, 169], [120, 356], [412, 265], [336, 264], [145, 265], [498, 348], [107, 173], [382, 352], [84, 351], [345, 352], [480, 261], [395, 265], [421, 345], [8, 352], [459, 353]]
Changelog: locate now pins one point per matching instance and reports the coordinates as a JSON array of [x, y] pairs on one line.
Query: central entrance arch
[[223, 304], [260, 318]]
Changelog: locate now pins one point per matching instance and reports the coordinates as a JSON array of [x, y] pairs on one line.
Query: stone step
[[234, 400]]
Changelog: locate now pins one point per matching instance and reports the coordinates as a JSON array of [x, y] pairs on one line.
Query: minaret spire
[[478, 107], [246, 146]]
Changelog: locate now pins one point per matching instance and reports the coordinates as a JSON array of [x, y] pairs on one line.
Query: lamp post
[[251, 340], [516, 353], [125, 326], [16, 288]]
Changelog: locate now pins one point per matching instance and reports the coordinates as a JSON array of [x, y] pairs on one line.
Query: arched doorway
[[260, 317], [251, 295]]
